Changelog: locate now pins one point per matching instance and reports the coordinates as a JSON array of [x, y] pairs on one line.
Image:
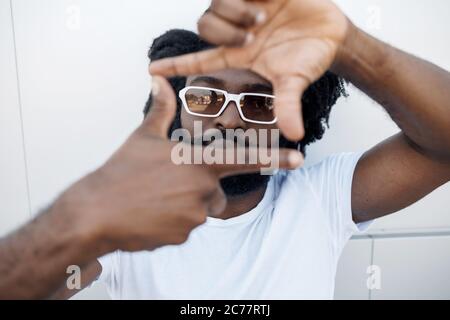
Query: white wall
[[13, 179], [71, 90]]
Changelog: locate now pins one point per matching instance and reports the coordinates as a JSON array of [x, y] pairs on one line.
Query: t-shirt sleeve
[[332, 181]]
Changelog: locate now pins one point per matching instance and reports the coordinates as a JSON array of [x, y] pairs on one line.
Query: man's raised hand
[[291, 43]]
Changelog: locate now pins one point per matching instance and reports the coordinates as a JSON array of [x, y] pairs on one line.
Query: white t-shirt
[[285, 248]]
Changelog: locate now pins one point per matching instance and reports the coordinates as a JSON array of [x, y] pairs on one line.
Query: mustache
[[221, 138]]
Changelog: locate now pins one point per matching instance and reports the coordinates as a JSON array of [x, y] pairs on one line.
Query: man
[[278, 237]]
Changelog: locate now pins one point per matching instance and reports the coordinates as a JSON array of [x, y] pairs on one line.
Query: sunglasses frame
[[236, 98]]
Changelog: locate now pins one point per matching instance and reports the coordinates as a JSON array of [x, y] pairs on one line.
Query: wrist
[[361, 58], [78, 208], [347, 50]]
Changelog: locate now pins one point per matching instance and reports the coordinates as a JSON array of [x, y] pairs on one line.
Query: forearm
[[414, 92], [34, 259]]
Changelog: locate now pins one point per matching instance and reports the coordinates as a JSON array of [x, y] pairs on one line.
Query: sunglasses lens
[[204, 101], [258, 108]]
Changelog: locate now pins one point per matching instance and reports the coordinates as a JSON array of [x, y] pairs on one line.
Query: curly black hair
[[317, 101]]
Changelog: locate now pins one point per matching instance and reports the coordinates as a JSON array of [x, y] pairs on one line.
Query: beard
[[243, 184]]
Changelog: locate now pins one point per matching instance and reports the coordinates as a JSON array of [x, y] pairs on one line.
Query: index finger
[[190, 64], [278, 159]]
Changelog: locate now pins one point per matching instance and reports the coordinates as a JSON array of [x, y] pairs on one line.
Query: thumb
[[193, 63], [163, 108], [288, 92]]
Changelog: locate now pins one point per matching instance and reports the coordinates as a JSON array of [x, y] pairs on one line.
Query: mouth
[[225, 143], [223, 140]]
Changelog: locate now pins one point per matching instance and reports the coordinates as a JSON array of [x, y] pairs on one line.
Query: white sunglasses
[[211, 103]]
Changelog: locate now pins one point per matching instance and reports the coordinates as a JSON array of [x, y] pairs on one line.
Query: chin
[[243, 184]]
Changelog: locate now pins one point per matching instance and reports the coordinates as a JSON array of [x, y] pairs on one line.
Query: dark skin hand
[[138, 200], [297, 43]]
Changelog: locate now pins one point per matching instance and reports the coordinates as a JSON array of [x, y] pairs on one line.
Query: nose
[[230, 118]]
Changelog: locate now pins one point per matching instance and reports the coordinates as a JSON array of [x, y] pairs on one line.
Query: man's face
[[235, 82]]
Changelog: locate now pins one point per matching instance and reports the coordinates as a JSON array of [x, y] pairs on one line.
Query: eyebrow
[[258, 88], [252, 87], [211, 80]]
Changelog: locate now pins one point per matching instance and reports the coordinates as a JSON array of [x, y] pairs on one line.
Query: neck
[[240, 204]]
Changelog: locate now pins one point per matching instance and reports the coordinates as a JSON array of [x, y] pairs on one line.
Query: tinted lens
[[204, 101], [258, 108]]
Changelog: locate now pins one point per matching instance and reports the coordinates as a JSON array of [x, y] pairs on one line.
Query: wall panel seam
[[19, 95]]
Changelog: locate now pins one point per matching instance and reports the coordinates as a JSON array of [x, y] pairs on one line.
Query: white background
[[73, 83]]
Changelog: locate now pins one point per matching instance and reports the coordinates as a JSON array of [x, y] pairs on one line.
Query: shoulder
[[345, 161], [339, 164], [333, 173]]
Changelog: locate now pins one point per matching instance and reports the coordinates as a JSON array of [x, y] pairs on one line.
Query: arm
[[88, 275], [416, 94], [119, 206], [301, 39], [116, 207], [34, 259]]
